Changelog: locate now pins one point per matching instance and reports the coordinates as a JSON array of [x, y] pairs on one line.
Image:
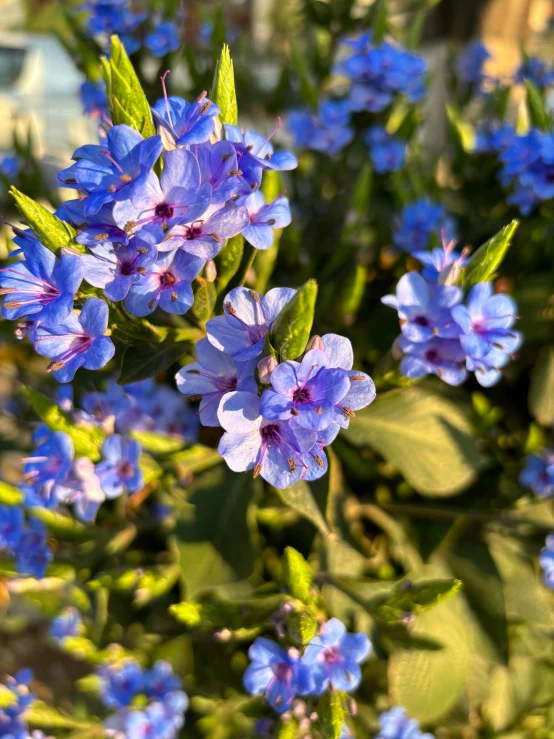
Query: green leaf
[[297, 574], [196, 459], [537, 109], [300, 497], [87, 439], [223, 92], [413, 598], [541, 392], [291, 329], [228, 261], [308, 90], [137, 331], [212, 531], [44, 716], [62, 527], [158, 443], [205, 299], [48, 228], [332, 710], [379, 20], [148, 360], [484, 263], [128, 103], [461, 132], [425, 436], [10, 495], [301, 626], [217, 613]]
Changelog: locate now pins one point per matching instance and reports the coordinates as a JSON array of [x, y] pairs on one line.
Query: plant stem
[[246, 263]]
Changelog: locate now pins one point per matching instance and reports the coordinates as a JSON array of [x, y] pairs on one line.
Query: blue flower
[[12, 723], [101, 230], [33, 554], [276, 674], [158, 205], [418, 222], [206, 237], [212, 376], [10, 166], [334, 657], [121, 682], [424, 310], [106, 173], [79, 341], [536, 71], [272, 449], [264, 219], [164, 39], [167, 283], [82, 489], [442, 357], [538, 474], [186, 123], [218, 166], [470, 65], [248, 317], [395, 724], [306, 392], [116, 267], [328, 132], [51, 460], [67, 624], [546, 561], [119, 471], [94, 99], [41, 286], [11, 524], [387, 152], [160, 680], [441, 265]]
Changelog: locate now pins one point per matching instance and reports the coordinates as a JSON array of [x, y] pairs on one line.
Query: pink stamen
[[167, 110], [271, 135]]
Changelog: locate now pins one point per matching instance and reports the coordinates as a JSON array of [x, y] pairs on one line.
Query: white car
[[39, 87]]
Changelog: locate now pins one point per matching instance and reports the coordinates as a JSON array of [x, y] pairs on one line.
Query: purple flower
[[82, 489], [218, 167], [441, 357], [395, 724], [116, 267], [470, 65], [536, 71], [248, 318], [276, 674], [41, 286], [10, 166], [546, 561], [212, 376], [424, 310], [538, 473], [334, 657], [387, 153], [119, 472], [121, 682], [98, 231], [167, 283], [105, 173], [94, 99], [186, 123], [12, 724], [160, 680], [265, 218], [164, 39], [441, 265], [50, 462], [306, 392], [68, 623], [158, 205], [273, 449], [33, 554], [11, 524], [79, 341], [418, 222], [206, 237]]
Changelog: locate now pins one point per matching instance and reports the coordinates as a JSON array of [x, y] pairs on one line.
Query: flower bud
[[315, 343], [265, 368], [210, 270]]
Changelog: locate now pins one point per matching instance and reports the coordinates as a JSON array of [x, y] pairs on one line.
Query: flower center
[[432, 356], [270, 434], [163, 210], [301, 395], [127, 268], [167, 279], [125, 469], [283, 672], [421, 321], [227, 384], [193, 232], [331, 655]]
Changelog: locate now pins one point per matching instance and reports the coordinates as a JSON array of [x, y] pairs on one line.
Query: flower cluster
[[419, 224], [12, 716], [280, 435], [331, 661], [470, 66], [146, 236], [538, 473], [536, 71], [546, 561], [443, 336], [158, 690], [377, 75], [108, 17], [24, 539], [395, 724]]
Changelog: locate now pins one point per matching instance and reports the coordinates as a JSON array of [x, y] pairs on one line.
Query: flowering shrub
[[234, 501]]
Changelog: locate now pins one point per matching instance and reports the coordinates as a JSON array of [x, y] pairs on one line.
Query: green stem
[[246, 263]]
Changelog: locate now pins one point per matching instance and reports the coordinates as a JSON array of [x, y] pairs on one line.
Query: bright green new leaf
[[228, 261], [461, 132], [301, 627], [484, 264], [158, 443], [412, 598], [63, 527], [297, 574], [43, 716], [87, 439], [217, 613], [541, 392], [128, 103], [10, 495], [48, 228], [332, 711], [223, 92], [291, 329]]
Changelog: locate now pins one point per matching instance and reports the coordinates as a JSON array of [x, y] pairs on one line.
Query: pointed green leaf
[[10, 495], [301, 627], [223, 92], [537, 109], [300, 497], [87, 439], [541, 392], [461, 132], [228, 261], [205, 299], [44, 716], [128, 103], [484, 264], [48, 228], [148, 360], [297, 574], [412, 598], [332, 710], [291, 329], [158, 443]]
